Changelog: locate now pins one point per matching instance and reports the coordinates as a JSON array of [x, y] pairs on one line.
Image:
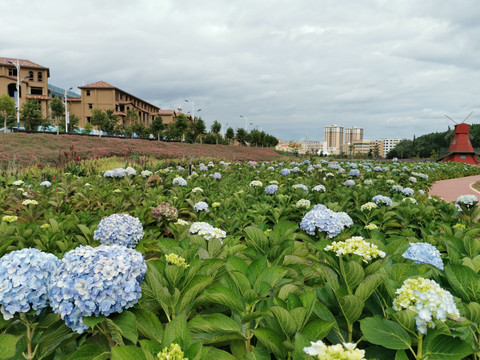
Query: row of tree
[[431, 145], [107, 121]]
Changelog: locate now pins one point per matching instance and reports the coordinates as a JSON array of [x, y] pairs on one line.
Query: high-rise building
[[333, 135], [353, 134]]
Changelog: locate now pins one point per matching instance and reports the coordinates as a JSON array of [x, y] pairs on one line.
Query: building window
[[89, 119], [88, 92], [90, 106], [463, 156], [36, 91], [40, 76], [12, 72], [30, 76]]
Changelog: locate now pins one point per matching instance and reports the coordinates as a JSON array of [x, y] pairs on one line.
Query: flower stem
[[419, 347]]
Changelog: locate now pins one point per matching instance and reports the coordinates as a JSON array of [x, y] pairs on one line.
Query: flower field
[[22, 149], [241, 260]]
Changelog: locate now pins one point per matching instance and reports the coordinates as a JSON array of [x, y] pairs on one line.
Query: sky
[[288, 67]]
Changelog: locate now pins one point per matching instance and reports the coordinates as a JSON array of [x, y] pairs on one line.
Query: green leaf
[[152, 346], [221, 295], [317, 329], [472, 312], [127, 323], [401, 355], [173, 274], [93, 320], [351, 306], [114, 331], [255, 269], [90, 352], [352, 273], [464, 281], [368, 286], [406, 318], [214, 353], [285, 320], [149, 325], [177, 329], [195, 287], [129, 353], [389, 334], [271, 340], [8, 346], [257, 238], [443, 347], [214, 323], [214, 248], [399, 272]]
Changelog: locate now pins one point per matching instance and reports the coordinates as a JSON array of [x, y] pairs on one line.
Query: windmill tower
[[461, 149]]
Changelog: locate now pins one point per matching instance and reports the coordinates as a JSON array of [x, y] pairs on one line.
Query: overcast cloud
[[291, 67]]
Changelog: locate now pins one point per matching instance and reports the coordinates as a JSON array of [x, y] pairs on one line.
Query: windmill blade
[[447, 134], [471, 136], [467, 117], [452, 119]]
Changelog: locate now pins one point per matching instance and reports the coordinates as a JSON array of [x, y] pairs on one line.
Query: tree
[[105, 120], [7, 110], [58, 109], [197, 128], [157, 126], [241, 136], [230, 134], [216, 127], [181, 126], [32, 114]]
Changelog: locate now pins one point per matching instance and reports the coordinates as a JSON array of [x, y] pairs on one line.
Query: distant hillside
[[431, 145], [28, 149]]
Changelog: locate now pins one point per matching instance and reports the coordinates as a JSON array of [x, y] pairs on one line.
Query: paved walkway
[[450, 190]]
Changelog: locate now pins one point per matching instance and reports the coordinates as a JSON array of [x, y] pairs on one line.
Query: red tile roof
[[23, 63], [98, 85]]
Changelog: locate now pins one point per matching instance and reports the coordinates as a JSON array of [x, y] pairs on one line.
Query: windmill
[[461, 149]]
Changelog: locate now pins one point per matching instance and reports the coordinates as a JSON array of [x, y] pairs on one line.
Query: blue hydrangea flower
[[46, 183], [217, 176], [397, 188], [380, 199], [341, 170], [323, 219], [285, 172], [24, 279], [408, 191], [467, 200], [115, 173], [377, 168], [179, 181], [354, 172], [201, 206], [319, 188], [424, 253], [271, 189], [349, 183], [300, 186], [96, 281], [295, 169], [120, 229]]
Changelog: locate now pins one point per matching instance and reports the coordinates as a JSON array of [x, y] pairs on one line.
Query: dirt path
[[451, 189]]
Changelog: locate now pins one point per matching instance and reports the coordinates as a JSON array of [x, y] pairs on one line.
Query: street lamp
[[66, 110], [193, 108], [246, 120], [17, 100]]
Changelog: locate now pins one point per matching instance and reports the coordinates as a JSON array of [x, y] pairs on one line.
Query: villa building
[[33, 81]]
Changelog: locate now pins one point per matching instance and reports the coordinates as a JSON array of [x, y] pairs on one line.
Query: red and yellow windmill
[[461, 149]]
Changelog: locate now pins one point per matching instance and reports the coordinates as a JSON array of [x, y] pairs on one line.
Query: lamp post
[[66, 111], [193, 108], [246, 120], [17, 100]]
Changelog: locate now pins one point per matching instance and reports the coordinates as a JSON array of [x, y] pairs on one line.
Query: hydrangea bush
[[120, 229], [24, 280], [96, 281]]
